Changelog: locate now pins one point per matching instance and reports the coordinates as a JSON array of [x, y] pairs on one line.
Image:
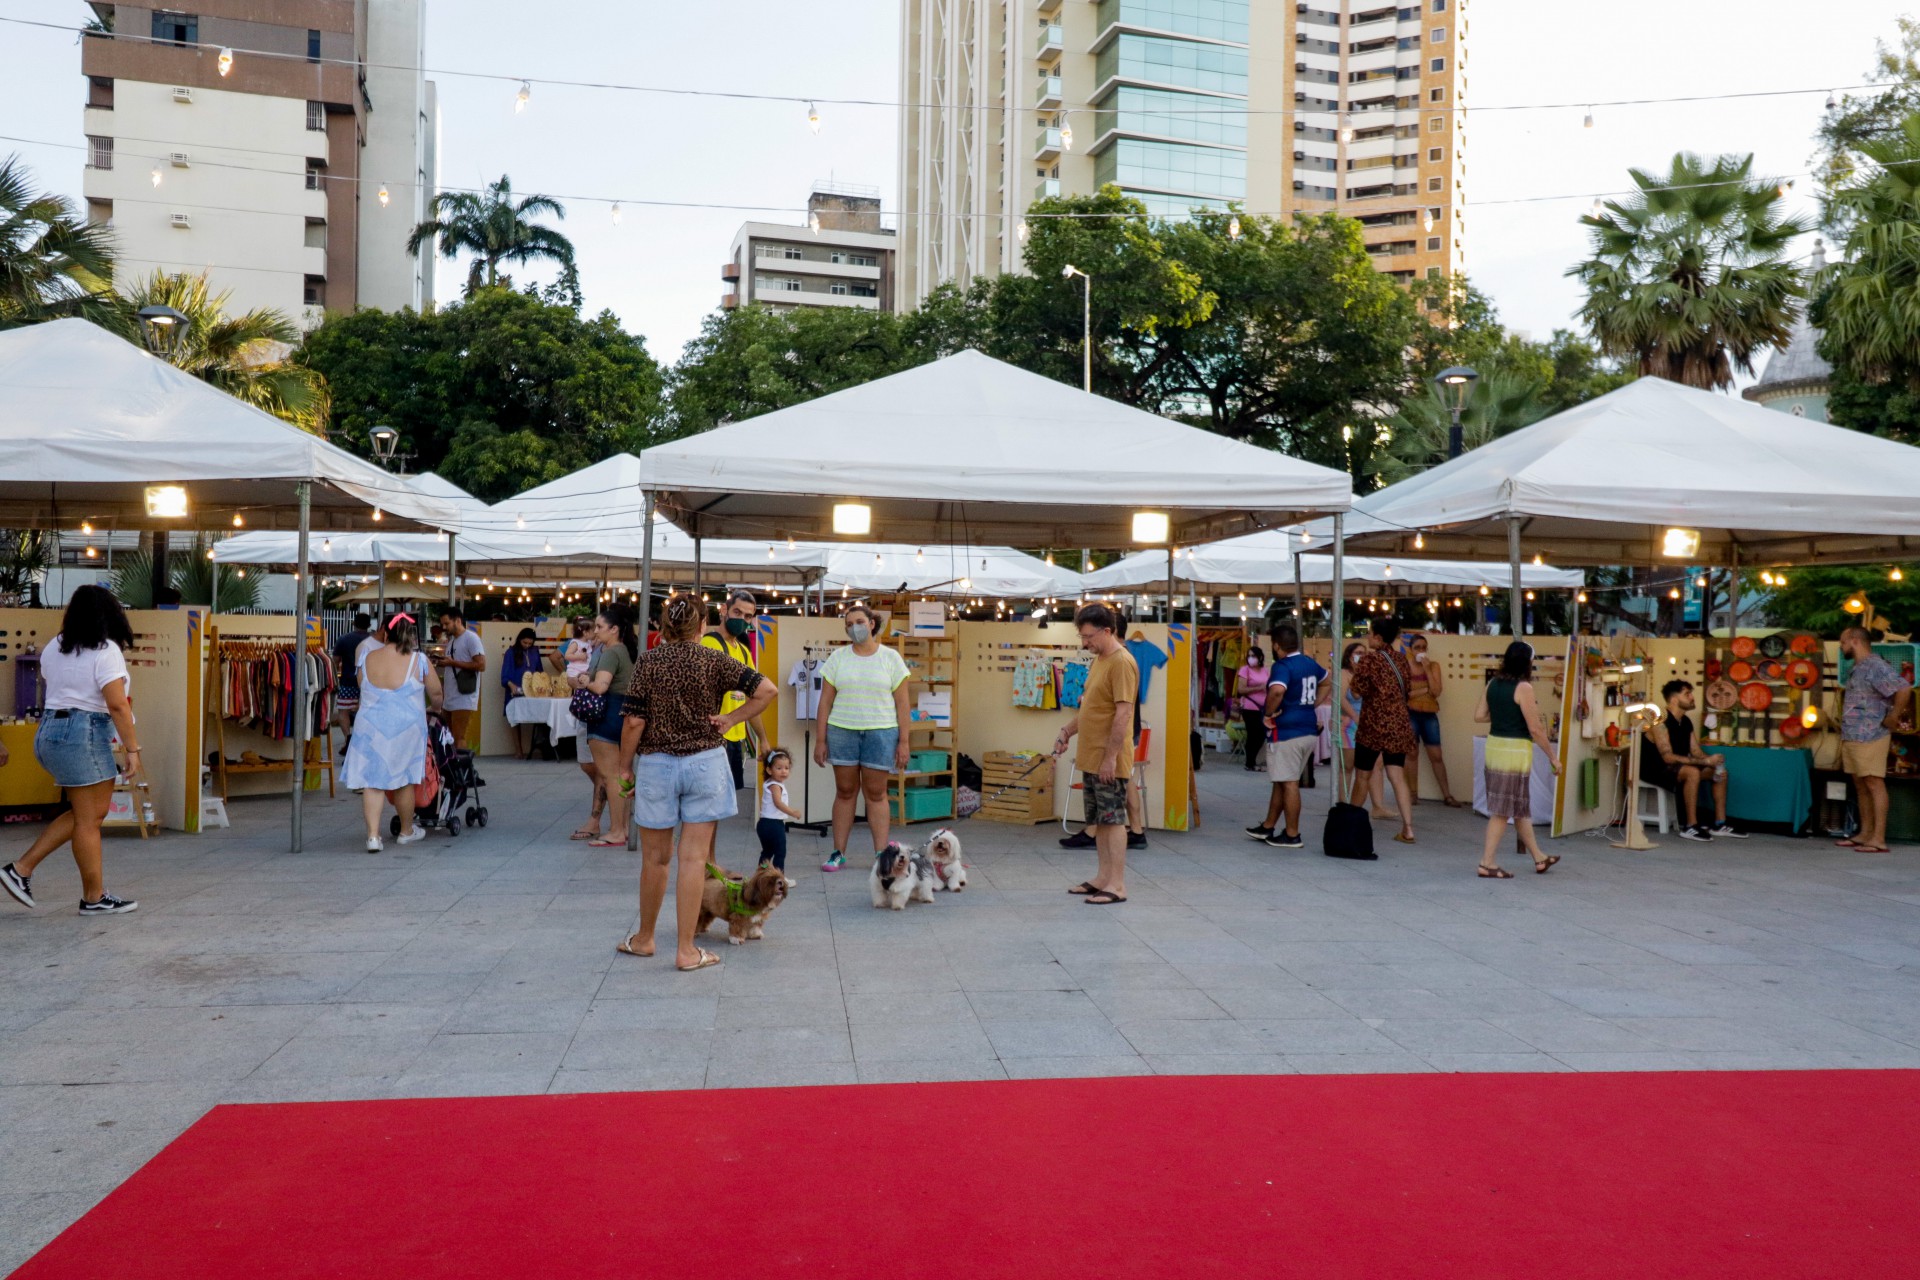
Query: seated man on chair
[[1670, 760]]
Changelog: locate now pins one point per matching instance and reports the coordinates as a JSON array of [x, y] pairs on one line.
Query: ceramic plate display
[[1722, 695], [1743, 646], [1804, 643], [1792, 730], [1740, 671], [1756, 696], [1803, 674], [1773, 646]]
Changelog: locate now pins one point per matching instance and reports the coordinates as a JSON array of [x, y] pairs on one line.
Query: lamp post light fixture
[[163, 327], [385, 440], [1456, 388], [1086, 325]]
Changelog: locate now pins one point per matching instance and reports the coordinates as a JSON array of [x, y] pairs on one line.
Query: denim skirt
[[76, 747]]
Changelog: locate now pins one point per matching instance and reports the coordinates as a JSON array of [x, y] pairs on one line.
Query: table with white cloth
[[1540, 793], [551, 712]]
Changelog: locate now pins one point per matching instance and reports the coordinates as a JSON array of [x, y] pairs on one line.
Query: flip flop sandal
[[1495, 873], [1871, 848], [1084, 888], [1402, 838], [1541, 868], [606, 843], [1451, 803], [1845, 844], [707, 961], [1104, 899], [584, 834], [625, 948]]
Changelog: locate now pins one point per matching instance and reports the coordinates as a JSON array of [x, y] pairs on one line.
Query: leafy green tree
[[25, 557], [1580, 372], [1502, 401], [1857, 119], [1869, 305], [1812, 598], [496, 228], [497, 393], [1690, 277], [754, 359], [53, 263], [243, 355]]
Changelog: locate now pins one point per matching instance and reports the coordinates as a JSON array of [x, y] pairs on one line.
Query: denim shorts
[[669, 790], [868, 748], [76, 747], [1426, 726]]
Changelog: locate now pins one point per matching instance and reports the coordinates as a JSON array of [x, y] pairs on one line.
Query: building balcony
[[853, 301], [1046, 145], [1049, 94], [1048, 188], [313, 261], [1045, 7], [728, 301], [730, 271], [1053, 39]]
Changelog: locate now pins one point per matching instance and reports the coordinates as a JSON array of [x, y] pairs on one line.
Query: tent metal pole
[[697, 575], [301, 711], [632, 833], [1299, 593], [1339, 600], [453, 572], [1733, 596], [1515, 596], [1171, 552], [213, 592], [380, 619]]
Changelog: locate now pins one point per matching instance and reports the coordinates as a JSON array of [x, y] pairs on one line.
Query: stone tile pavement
[[485, 965]]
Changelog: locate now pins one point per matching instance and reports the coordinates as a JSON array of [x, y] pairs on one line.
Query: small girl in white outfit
[[774, 809]]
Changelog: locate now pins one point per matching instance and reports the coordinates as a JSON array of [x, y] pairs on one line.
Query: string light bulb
[[1419, 542], [1580, 597], [1588, 123], [813, 117], [377, 515], [226, 62], [1346, 127], [385, 197], [156, 175], [920, 556], [1537, 559], [238, 523], [1599, 207], [519, 522], [813, 223], [614, 213], [1066, 135], [1023, 231], [1896, 575], [520, 98], [86, 527], [1233, 228]]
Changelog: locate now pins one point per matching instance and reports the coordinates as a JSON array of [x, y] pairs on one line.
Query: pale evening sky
[[659, 268]]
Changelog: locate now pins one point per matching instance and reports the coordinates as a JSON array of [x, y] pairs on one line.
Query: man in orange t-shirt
[[1105, 729]]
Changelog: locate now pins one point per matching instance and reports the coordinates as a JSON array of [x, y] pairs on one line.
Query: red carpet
[[1774, 1174]]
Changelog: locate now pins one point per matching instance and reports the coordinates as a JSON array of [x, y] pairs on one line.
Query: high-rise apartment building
[[841, 257], [285, 147], [1279, 107]]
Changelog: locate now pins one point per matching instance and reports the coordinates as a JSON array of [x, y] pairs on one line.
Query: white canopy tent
[[967, 449], [998, 572], [90, 424], [1604, 482]]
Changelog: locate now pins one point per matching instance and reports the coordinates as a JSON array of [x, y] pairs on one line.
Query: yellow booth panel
[[22, 780]]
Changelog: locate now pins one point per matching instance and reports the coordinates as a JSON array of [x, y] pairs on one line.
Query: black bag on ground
[[1349, 833], [970, 774]]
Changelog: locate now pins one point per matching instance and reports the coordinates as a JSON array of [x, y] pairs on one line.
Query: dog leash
[[1024, 775], [736, 891]]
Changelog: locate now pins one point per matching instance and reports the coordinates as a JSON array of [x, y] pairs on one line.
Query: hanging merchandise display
[[250, 686]]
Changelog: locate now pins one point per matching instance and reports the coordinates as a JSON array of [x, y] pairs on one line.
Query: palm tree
[[1870, 304], [495, 228], [1690, 277], [53, 263], [244, 355], [1503, 400]]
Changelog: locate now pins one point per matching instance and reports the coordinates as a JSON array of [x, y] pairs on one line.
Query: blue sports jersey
[[1295, 717]]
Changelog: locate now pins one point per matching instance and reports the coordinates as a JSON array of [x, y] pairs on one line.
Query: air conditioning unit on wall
[[180, 159], [182, 94], [180, 221]]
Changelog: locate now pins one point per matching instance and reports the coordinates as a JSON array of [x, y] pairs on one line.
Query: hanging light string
[[610, 201], [813, 101]]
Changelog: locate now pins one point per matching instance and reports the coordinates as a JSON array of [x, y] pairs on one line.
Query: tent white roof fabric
[[1264, 562], [88, 421], [969, 448], [1601, 482], [999, 572]]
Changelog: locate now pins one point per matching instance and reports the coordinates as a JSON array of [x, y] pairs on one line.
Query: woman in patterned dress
[[388, 753]]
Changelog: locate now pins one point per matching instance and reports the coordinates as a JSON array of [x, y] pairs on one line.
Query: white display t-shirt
[[805, 679], [74, 680], [466, 646]]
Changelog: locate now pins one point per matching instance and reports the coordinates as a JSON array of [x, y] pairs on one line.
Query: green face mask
[[737, 628]]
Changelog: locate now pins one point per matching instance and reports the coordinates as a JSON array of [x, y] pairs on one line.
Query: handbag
[[427, 789], [1349, 833], [465, 681], [588, 707]]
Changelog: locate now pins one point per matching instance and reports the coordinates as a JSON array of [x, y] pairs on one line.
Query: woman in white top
[[86, 676], [862, 727]]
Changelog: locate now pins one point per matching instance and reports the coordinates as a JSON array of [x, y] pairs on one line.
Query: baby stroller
[[460, 783]]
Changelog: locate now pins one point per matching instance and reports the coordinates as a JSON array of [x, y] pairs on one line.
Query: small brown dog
[[743, 904]]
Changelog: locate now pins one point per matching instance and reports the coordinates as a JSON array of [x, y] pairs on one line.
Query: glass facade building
[[1170, 123]]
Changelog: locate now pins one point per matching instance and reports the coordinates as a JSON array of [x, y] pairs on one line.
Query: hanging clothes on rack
[[255, 682], [1032, 680], [1073, 680]]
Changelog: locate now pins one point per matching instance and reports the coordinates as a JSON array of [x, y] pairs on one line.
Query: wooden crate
[[1016, 788]]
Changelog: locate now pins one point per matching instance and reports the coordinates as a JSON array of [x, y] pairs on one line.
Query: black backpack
[[1349, 833]]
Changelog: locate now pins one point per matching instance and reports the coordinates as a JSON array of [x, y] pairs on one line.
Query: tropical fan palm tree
[[244, 355], [1502, 401], [52, 262], [25, 557], [495, 228], [1690, 276], [1870, 307]]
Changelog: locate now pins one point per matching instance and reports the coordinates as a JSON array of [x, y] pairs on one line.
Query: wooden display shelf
[[1016, 789]]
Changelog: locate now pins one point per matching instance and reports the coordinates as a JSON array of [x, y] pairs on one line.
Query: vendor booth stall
[[968, 449], [97, 433], [1678, 479]]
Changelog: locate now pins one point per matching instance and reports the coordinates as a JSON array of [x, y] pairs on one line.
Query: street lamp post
[[163, 327], [1456, 387], [1086, 324]]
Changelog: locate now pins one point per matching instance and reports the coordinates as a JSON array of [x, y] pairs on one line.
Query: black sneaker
[[106, 905], [1281, 840], [1697, 832], [1726, 831], [1078, 840], [1259, 833], [17, 885], [1136, 839]]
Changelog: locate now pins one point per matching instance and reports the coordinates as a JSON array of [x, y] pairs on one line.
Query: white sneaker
[[374, 845], [412, 837]]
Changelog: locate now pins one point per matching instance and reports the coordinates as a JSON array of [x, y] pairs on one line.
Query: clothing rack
[[318, 755], [820, 826]]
